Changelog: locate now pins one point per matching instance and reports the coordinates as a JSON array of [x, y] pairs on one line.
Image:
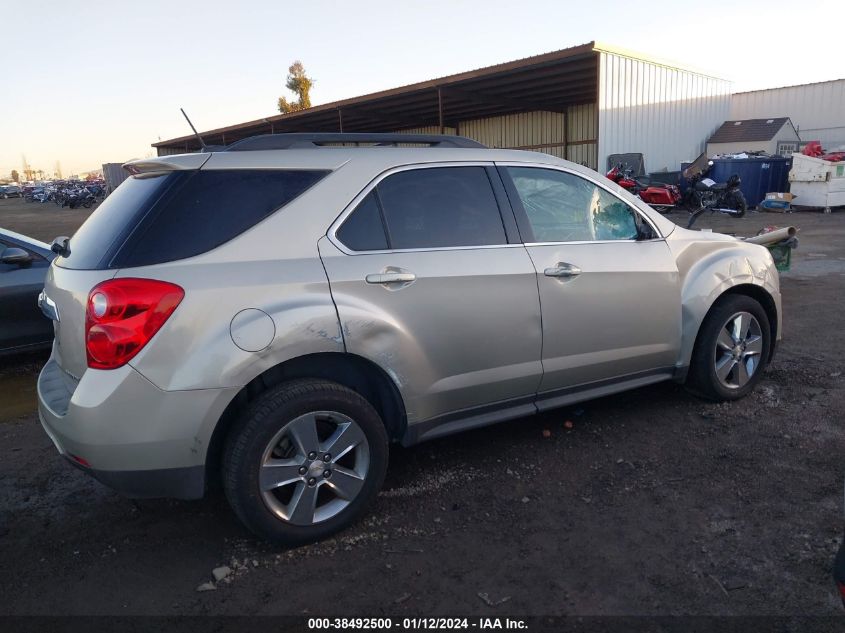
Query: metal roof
[[748, 130], [550, 82]]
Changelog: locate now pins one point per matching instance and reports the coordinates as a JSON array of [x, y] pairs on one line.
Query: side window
[[563, 207], [440, 207], [363, 229], [204, 209]]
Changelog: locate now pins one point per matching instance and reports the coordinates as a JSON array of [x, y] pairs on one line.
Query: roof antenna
[[197, 134]]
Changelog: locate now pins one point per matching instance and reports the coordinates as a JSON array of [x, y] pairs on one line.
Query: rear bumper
[[177, 483], [129, 434]]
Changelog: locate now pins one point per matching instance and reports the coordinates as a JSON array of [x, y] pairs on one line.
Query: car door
[[609, 286], [432, 284], [21, 321]]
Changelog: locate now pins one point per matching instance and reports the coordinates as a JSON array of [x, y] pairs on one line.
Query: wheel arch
[[350, 370], [754, 291]]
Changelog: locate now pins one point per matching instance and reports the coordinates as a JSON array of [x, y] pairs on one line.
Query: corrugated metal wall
[[665, 113], [817, 110], [540, 131], [169, 151], [581, 129], [428, 129], [523, 130]]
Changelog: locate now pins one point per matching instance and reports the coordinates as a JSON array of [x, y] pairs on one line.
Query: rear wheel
[[304, 461], [732, 349], [740, 204]]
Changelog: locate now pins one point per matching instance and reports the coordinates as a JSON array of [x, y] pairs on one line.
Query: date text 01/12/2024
[[415, 623]]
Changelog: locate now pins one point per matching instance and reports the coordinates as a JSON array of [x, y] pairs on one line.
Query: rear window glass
[[111, 222], [209, 209], [151, 220]]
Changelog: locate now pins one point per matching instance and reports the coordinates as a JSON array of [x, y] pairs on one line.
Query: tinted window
[[563, 207], [112, 220], [208, 209], [440, 207], [363, 229]]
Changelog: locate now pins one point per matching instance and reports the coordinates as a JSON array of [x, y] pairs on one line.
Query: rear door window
[[363, 230], [436, 207], [440, 207]]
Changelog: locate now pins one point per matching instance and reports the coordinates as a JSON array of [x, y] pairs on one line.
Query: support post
[[440, 110]]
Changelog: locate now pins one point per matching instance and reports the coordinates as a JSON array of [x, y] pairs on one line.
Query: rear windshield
[[155, 219], [111, 222]]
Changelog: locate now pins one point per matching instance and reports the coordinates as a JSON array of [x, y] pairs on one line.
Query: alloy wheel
[[314, 467], [738, 352]]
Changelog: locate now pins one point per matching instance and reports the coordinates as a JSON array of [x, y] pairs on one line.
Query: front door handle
[[562, 270], [391, 278]]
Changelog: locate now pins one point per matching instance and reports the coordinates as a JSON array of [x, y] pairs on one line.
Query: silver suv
[[279, 312]]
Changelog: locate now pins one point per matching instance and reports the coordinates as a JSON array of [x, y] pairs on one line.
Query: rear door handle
[[390, 278], [562, 270]]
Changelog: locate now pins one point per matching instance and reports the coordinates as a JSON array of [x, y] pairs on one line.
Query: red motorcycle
[[661, 196]]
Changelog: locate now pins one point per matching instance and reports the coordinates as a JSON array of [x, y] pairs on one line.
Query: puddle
[[18, 396]]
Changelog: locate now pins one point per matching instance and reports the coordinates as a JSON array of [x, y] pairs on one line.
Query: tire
[[275, 430], [740, 203], [712, 354]]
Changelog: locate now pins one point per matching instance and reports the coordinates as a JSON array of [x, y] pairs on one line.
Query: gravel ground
[[653, 502]]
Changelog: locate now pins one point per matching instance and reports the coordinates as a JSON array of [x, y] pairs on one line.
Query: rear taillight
[[122, 315]]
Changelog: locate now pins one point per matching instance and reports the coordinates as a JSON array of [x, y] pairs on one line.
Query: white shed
[[775, 136]]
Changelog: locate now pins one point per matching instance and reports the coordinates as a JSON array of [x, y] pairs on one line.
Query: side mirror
[[14, 255]]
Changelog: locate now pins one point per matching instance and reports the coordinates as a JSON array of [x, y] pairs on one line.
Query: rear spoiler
[[165, 164]]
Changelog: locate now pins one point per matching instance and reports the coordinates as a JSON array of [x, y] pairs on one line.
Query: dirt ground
[[653, 503]]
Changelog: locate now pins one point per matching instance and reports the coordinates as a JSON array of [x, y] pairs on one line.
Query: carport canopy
[[549, 82]]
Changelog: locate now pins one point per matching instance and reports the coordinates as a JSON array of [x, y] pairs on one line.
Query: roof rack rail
[[306, 140]]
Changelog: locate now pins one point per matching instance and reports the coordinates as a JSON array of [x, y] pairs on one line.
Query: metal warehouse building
[[817, 110], [581, 103]]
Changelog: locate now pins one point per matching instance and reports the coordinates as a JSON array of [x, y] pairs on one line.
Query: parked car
[[277, 313], [23, 266], [10, 191]]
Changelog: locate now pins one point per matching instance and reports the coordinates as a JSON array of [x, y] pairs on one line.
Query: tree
[[15, 176], [300, 84]]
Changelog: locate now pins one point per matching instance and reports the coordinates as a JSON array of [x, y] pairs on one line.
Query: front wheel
[[305, 461], [732, 349]]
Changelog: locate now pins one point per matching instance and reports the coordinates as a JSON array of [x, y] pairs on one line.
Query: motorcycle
[[659, 195], [705, 194]]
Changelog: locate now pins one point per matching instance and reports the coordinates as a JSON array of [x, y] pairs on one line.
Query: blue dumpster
[[759, 175]]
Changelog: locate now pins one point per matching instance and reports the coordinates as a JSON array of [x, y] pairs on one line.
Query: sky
[[90, 82]]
